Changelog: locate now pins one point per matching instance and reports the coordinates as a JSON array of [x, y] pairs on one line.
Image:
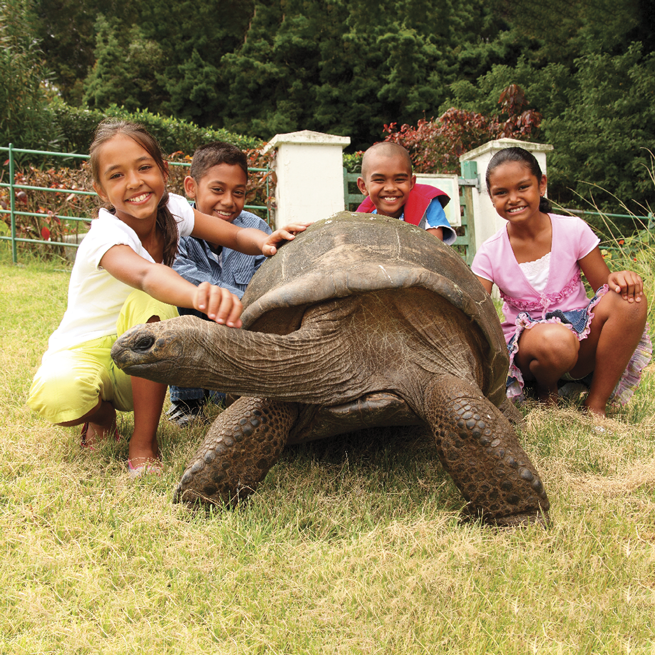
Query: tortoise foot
[[479, 449], [241, 446]]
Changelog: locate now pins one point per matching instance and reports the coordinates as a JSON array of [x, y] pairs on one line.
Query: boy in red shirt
[[390, 185]]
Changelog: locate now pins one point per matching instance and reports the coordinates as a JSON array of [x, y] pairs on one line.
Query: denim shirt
[[227, 268]]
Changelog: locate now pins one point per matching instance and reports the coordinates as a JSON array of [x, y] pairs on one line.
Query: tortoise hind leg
[[241, 446], [479, 449]]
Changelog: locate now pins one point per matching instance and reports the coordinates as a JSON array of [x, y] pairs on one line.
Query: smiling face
[[515, 192], [221, 191], [387, 180], [129, 179]]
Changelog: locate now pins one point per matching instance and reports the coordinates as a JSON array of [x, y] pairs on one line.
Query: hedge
[[76, 127]]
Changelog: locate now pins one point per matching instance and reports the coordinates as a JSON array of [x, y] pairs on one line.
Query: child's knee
[[65, 388], [630, 314], [558, 347], [641, 309], [615, 305], [141, 308]]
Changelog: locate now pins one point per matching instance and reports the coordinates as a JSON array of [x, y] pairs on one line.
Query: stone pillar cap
[[308, 138], [499, 144]]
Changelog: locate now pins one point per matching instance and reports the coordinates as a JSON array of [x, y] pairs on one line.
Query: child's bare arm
[[243, 239], [164, 284], [627, 283], [487, 284], [436, 231]]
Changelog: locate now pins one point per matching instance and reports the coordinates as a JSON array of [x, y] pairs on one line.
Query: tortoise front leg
[[479, 449], [241, 446]]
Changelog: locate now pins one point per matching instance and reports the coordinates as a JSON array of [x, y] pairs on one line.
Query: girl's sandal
[[149, 468]]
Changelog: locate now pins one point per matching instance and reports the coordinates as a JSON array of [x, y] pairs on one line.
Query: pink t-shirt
[[572, 240]]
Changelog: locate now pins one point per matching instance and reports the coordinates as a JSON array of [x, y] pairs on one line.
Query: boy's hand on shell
[[626, 283], [286, 233], [219, 304]]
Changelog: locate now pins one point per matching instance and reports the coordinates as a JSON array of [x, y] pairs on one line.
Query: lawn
[[349, 546]]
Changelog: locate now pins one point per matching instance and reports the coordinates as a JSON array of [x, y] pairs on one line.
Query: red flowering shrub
[[435, 145], [49, 206]]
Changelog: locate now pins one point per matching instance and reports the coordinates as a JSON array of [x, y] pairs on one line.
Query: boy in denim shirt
[[217, 183]]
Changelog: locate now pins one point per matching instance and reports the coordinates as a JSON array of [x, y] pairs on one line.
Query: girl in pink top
[[552, 329]]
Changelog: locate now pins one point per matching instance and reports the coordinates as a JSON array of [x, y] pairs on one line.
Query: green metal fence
[[628, 246], [14, 188], [465, 242], [648, 221]]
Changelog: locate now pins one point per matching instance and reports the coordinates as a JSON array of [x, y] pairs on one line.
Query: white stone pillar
[[487, 222], [309, 169]]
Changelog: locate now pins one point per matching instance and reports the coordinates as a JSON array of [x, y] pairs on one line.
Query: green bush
[[77, 126], [353, 163]]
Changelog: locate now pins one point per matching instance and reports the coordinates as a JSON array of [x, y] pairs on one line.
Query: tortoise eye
[[144, 343]]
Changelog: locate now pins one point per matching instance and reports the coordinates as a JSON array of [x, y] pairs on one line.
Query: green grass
[[350, 546]]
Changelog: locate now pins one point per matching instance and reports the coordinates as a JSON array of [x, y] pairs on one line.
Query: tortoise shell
[[355, 253]]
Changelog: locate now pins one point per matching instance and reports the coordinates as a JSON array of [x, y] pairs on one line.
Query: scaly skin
[[352, 308], [241, 446], [368, 343], [475, 442], [479, 449]]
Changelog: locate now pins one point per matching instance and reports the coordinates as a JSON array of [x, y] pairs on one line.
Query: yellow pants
[[69, 382]]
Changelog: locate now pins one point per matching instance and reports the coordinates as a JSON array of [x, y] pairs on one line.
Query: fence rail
[[619, 245], [13, 188], [465, 240]]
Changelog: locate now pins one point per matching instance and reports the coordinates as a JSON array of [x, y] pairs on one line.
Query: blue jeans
[[192, 393]]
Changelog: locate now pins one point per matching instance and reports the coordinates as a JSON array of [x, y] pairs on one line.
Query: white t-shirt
[[95, 298]]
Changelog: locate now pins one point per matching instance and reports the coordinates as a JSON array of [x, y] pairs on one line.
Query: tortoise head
[[155, 350]]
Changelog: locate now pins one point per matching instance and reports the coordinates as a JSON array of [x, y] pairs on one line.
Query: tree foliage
[[25, 118], [598, 115], [260, 67], [605, 137], [347, 67], [124, 70]]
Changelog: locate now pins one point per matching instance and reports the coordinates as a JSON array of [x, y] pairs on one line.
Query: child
[[130, 246], [552, 329], [391, 188], [217, 183]]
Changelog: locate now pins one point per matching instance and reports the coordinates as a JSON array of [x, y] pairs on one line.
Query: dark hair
[[215, 153], [106, 131], [386, 149], [524, 157]]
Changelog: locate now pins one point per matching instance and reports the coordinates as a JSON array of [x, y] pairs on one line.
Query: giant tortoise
[[360, 321]]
